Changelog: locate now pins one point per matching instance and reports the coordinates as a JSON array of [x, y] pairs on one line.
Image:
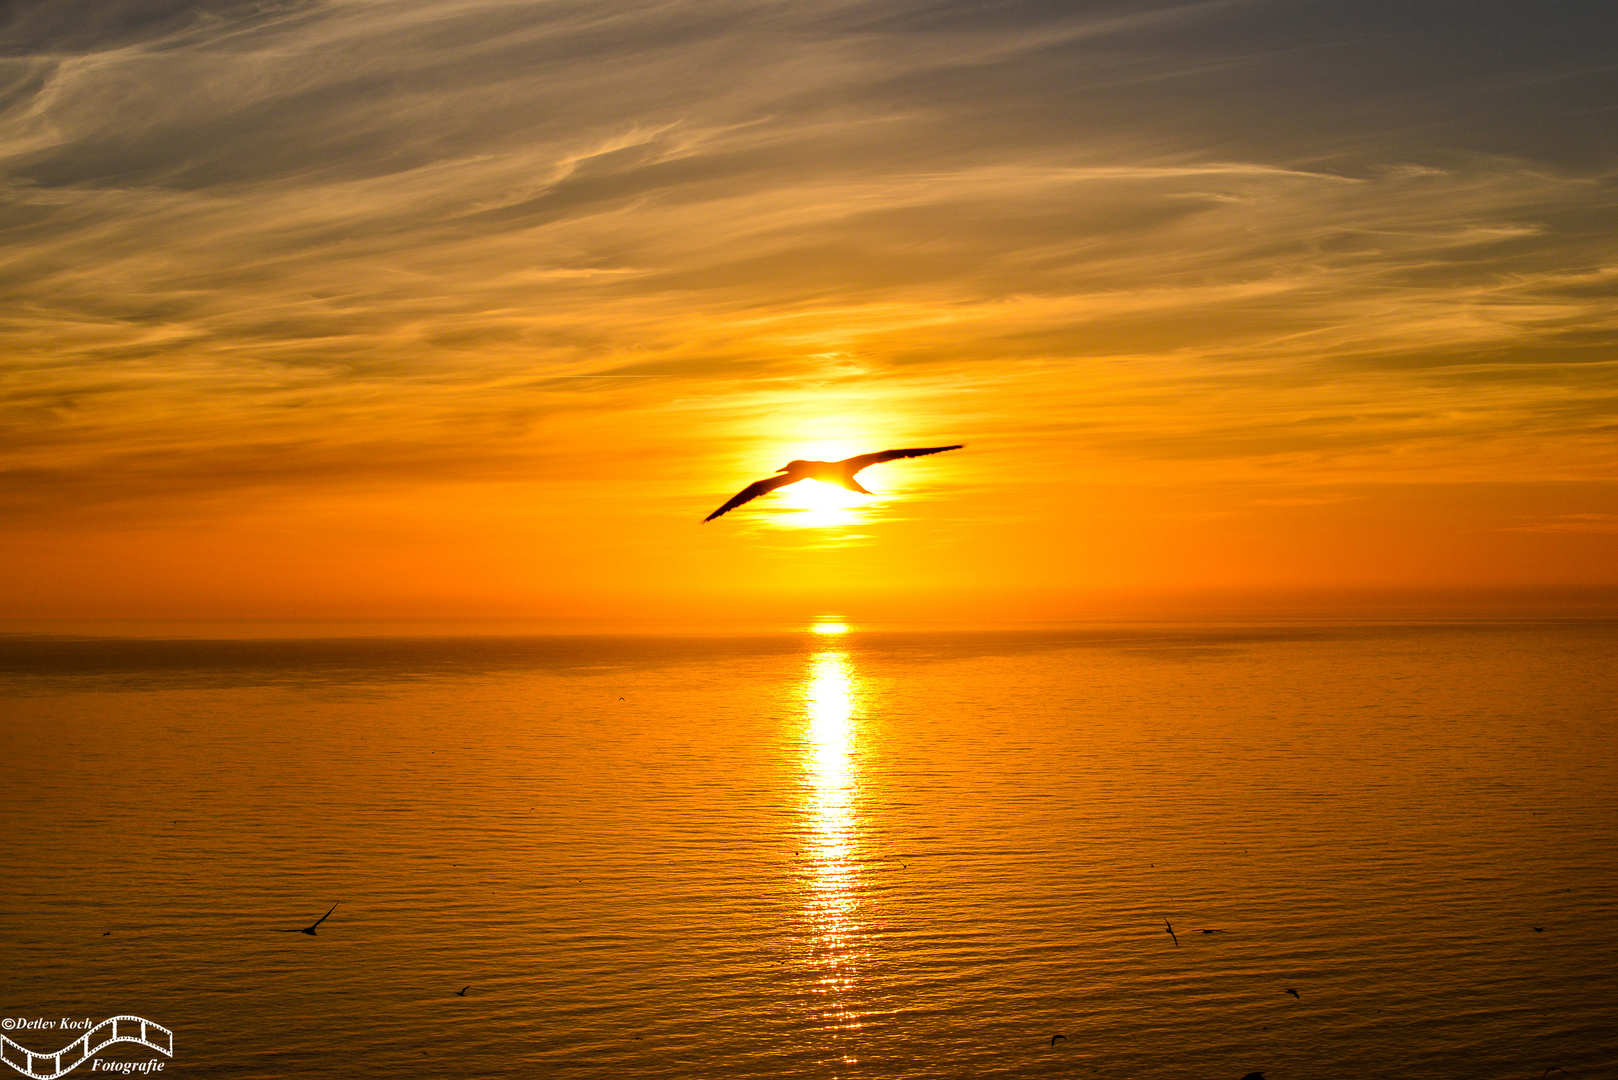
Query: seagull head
[[791, 465]]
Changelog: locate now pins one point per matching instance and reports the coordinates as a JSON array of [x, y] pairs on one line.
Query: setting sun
[[813, 504]]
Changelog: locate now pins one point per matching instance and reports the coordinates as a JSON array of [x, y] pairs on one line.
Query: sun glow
[[814, 504], [811, 504]]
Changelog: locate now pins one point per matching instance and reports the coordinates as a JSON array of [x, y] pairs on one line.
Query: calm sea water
[[824, 855]]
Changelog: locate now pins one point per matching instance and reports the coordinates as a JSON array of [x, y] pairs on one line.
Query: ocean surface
[[823, 854]]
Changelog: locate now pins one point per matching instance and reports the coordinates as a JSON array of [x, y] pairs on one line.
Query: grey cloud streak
[[416, 215]]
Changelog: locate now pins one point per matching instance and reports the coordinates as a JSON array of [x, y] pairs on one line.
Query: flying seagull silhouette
[[1253, 1076], [1294, 993], [462, 991], [831, 472], [1170, 932], [310, 929], [1055, 1037]]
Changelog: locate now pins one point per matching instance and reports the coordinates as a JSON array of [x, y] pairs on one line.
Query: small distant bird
[[1213, 931], [1055, 1037], [107, 934], [831, 472], [1169, 930], [1539, 929], [1552, 1069], [1294, 993], [1253, 1076], [310, 929], [462, 991]]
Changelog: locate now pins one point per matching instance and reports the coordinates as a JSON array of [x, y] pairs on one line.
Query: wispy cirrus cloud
[[269, 247], [1571, 523]]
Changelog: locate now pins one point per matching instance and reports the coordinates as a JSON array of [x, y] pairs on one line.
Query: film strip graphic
[[116, 1029]]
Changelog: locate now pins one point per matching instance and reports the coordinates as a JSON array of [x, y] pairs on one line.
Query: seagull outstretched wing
[[753, 491], [855, 464], [310, 929]]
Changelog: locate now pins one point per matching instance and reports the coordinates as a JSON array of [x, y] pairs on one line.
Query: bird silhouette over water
[[1055, 1037], [310, 929], [831, 472], [1169, 930], [462, 991], [1253, 1076], [1293, 992]]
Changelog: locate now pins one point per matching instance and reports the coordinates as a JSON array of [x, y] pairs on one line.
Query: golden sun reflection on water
[[831, 776]]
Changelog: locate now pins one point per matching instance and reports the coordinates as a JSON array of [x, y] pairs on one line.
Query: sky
[[473, 309]]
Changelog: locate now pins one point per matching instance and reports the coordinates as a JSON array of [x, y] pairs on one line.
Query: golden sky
[[461, 308]]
